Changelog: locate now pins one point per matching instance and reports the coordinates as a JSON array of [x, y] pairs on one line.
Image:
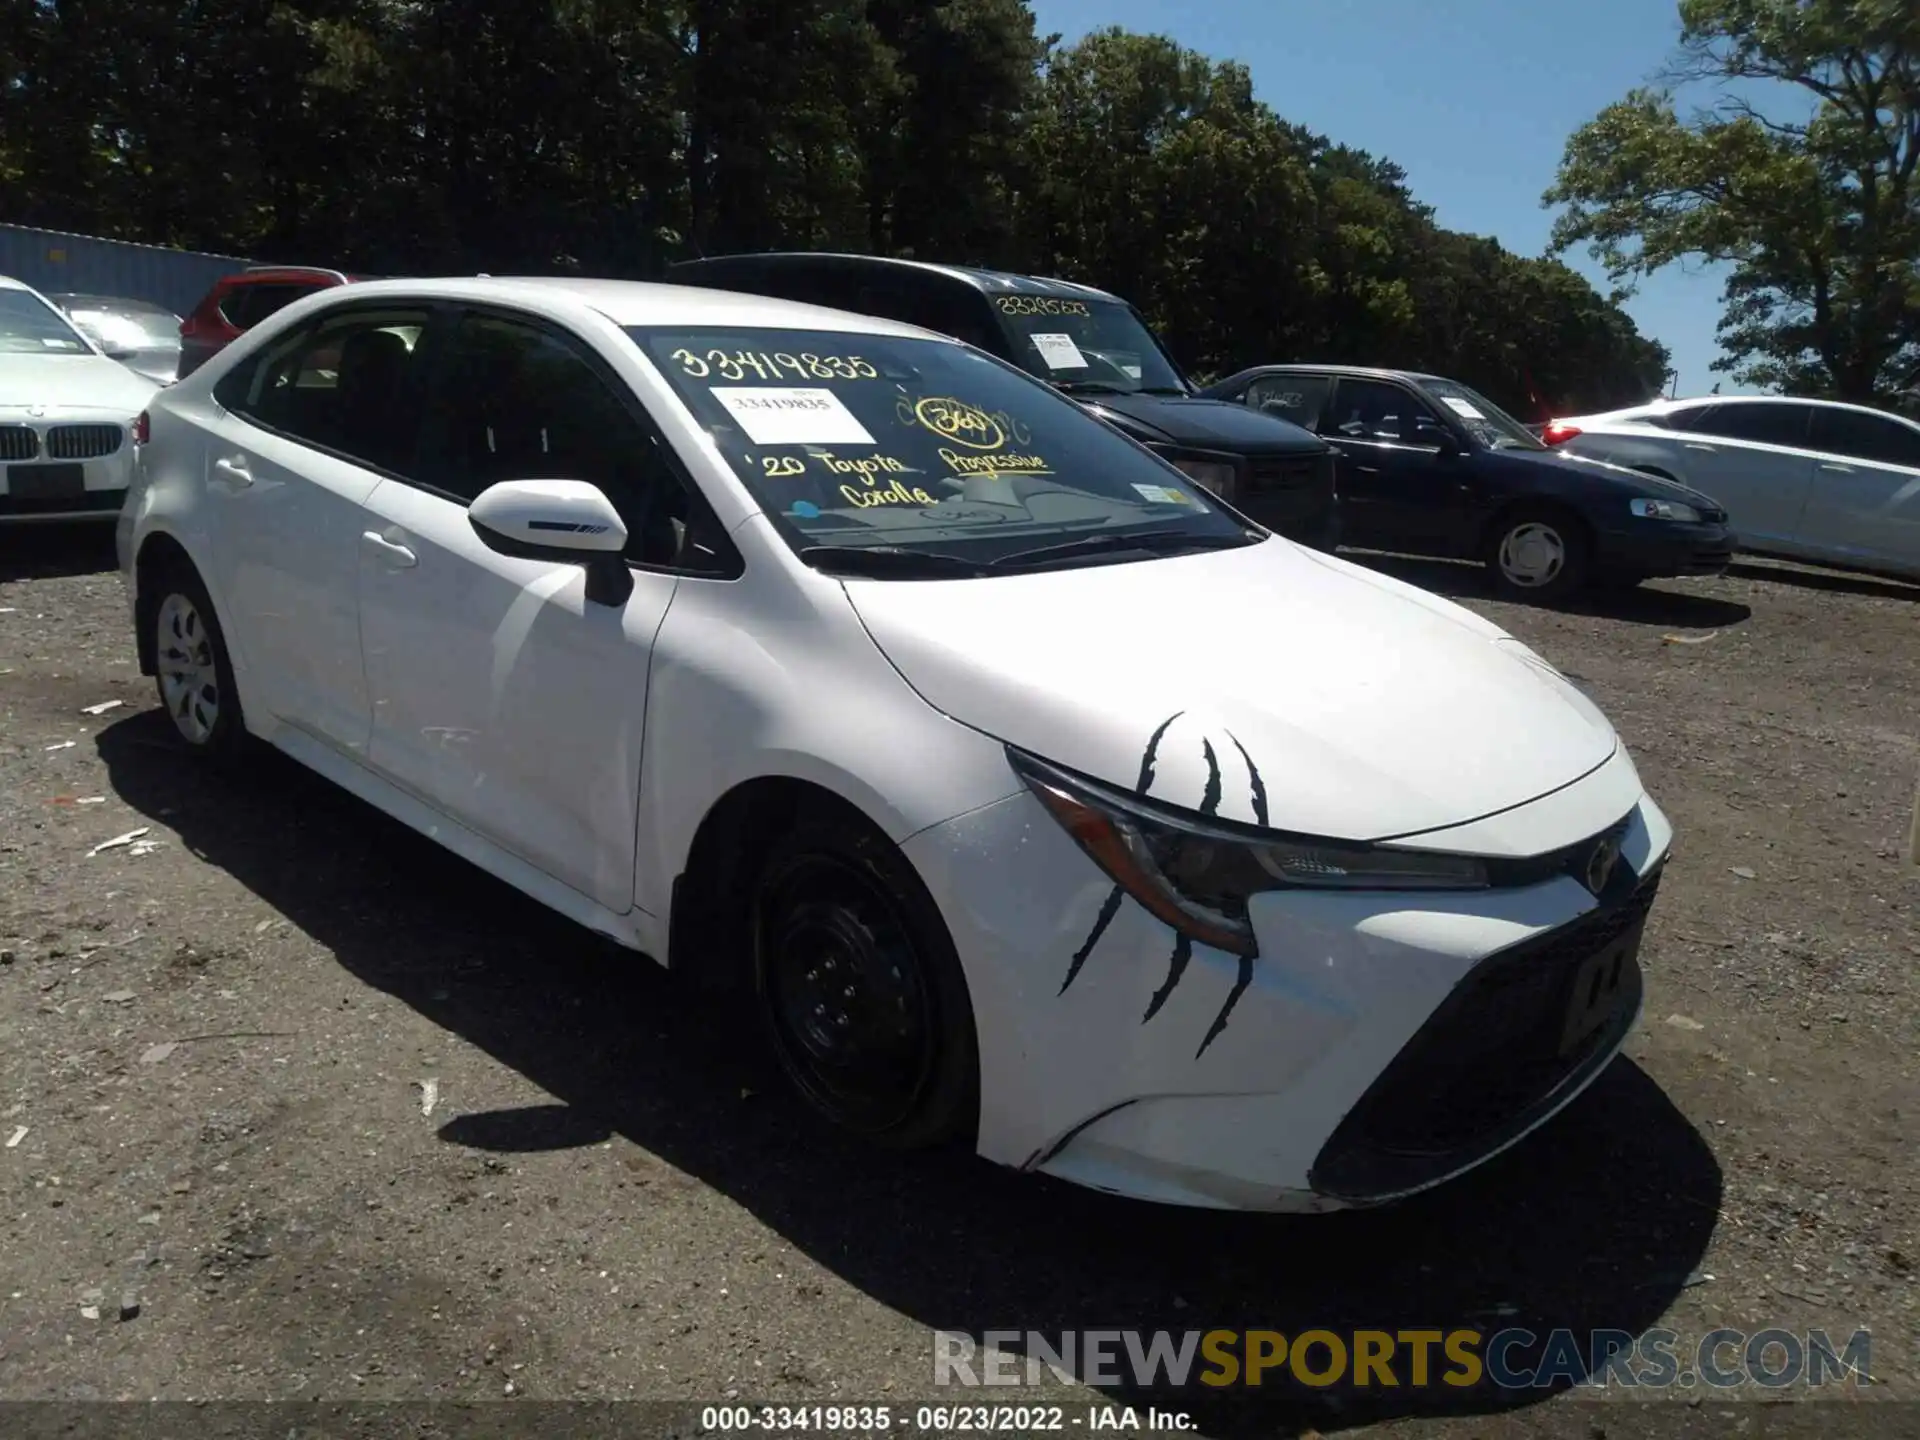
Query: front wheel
[[860, 990], [192, 670], [1537, 555]]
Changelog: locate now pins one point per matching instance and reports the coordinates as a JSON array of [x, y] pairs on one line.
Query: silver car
[[141, 336], [1806, 479]]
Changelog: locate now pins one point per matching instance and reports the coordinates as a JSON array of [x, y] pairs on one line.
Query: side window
[[1299, 398], [1375, 410], [525, 404], [236, 305], [1765, 422], [349, 384], [1866, 437]]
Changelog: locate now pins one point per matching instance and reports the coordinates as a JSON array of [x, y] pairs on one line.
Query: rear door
[[1864, 500], [1396, 489], [299, 441], [1754, 457]]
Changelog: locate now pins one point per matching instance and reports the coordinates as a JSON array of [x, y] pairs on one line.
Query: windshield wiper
[[888, 561], [1092, 387], [1108, 542]]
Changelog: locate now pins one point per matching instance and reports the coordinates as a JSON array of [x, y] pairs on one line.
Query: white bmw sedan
[[66, 415], [1031, 797]]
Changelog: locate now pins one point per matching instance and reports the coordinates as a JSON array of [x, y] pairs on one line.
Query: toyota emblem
[[1600, 864]]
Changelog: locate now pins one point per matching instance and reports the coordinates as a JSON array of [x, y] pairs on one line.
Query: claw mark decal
[[1182, 954], [1254, 781], [1108, 910]]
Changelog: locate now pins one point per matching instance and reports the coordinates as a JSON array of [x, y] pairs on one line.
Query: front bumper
[[1377, 1045], [1659, 547], [55, 482]]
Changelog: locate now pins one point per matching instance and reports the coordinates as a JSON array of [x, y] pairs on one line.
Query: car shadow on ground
[[1835, 582], [1595, 1223], [1643, 604], [49, 551]]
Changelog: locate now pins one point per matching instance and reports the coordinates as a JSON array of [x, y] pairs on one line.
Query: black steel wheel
[[860, 990]]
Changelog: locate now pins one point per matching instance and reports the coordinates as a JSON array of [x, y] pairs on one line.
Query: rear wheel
[[192, 670], [860, 990], [1538, 554]]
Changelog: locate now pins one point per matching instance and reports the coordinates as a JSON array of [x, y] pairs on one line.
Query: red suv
[[240, 301]]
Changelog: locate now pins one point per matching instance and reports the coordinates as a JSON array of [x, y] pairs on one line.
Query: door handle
[[395, 554], [1704, 449], [233, 471], [1836, 469]]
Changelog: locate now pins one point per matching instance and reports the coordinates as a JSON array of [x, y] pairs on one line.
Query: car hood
[[1307, 693], [72, 382], [1203, 424], [1599, 475]]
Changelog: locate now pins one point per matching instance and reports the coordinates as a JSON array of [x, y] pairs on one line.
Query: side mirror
[[1449, 443], [564, 520]]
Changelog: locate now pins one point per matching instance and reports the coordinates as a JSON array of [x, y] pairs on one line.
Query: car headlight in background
[[1649, 509], [1197, 874]]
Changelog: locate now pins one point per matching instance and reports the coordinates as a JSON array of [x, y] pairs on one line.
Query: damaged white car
[[1031, 798]]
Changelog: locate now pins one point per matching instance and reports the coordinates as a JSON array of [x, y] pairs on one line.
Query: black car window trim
[[296, 337], [1331, 408], [727, 562]]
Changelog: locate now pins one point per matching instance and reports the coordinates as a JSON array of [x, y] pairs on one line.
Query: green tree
[[1819, 217]]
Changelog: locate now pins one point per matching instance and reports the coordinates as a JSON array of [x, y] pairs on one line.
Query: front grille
[[83, 442], [18, 442], [1486, 1064], [1267, 476]]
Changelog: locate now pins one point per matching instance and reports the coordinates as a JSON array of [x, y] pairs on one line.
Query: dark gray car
[[141, 336]]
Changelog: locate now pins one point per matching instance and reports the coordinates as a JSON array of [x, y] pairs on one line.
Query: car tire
[[860, 990], [1538, 553], [192, 670]]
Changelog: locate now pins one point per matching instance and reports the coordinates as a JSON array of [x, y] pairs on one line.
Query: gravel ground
[[296, 1106]]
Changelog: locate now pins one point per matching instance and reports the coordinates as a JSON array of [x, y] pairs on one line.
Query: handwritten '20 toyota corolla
[[1031, 796]]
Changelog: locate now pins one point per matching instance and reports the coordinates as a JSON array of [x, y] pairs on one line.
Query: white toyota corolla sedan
[[1030, 796]]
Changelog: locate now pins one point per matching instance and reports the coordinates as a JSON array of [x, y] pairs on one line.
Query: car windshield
[[924, 448], [1085, 346], [30, 326], [1485, 421], [124, 327]]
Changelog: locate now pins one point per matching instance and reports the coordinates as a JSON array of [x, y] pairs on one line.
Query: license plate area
[[1599, 988], [46, 482]]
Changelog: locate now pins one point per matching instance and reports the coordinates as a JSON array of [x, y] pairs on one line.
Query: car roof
[[103, 302], [634, 302], [1665, 404], [1369, 372], [1002, 282]]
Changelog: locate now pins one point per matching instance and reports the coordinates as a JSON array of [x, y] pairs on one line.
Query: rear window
[[247, 305]]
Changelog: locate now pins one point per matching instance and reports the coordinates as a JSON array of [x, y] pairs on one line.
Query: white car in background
[[1028, 795], [1807, 479], [66, 415]]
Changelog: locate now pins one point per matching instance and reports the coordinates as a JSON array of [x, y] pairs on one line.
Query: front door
[[298, 442], [1397, 490], [500, 692], [1753, 457]]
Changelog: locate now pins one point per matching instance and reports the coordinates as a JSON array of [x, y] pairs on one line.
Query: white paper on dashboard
[[1059, 352], [1461, 407], [786, 416]]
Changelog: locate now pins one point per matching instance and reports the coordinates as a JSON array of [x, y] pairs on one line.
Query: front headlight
[[1648, 509], [1213, 475], [1197, 874]]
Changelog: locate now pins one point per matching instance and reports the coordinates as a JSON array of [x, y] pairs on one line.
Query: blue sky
[[1474, 99]]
